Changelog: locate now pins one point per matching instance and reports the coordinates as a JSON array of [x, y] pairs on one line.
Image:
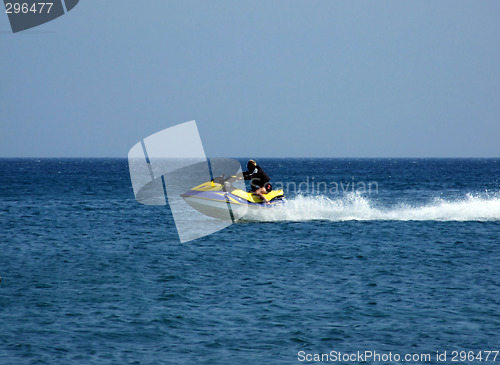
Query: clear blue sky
[[261, 78]]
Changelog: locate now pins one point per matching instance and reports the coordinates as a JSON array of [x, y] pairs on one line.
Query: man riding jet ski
[[259, 180], [215, 198]]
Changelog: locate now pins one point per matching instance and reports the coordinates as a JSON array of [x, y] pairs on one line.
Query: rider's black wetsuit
[[258, 178]]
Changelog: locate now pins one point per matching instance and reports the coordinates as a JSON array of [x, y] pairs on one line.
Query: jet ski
[[220, 199]]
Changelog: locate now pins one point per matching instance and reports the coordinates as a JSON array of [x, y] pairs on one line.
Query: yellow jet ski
[[220, 199]]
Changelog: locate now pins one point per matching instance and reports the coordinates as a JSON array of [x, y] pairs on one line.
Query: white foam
[[356, 207]]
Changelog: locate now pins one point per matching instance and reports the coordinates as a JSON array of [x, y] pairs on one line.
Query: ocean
[[369, 261]]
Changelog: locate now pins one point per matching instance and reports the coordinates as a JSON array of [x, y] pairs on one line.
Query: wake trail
[[356, 207]]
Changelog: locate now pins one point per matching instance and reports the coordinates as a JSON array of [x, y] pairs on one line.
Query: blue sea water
[[397, 256]]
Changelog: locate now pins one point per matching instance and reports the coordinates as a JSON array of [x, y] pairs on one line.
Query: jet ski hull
[[211, 199]]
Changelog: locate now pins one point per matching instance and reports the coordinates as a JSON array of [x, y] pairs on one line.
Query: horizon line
[[254, 157]]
